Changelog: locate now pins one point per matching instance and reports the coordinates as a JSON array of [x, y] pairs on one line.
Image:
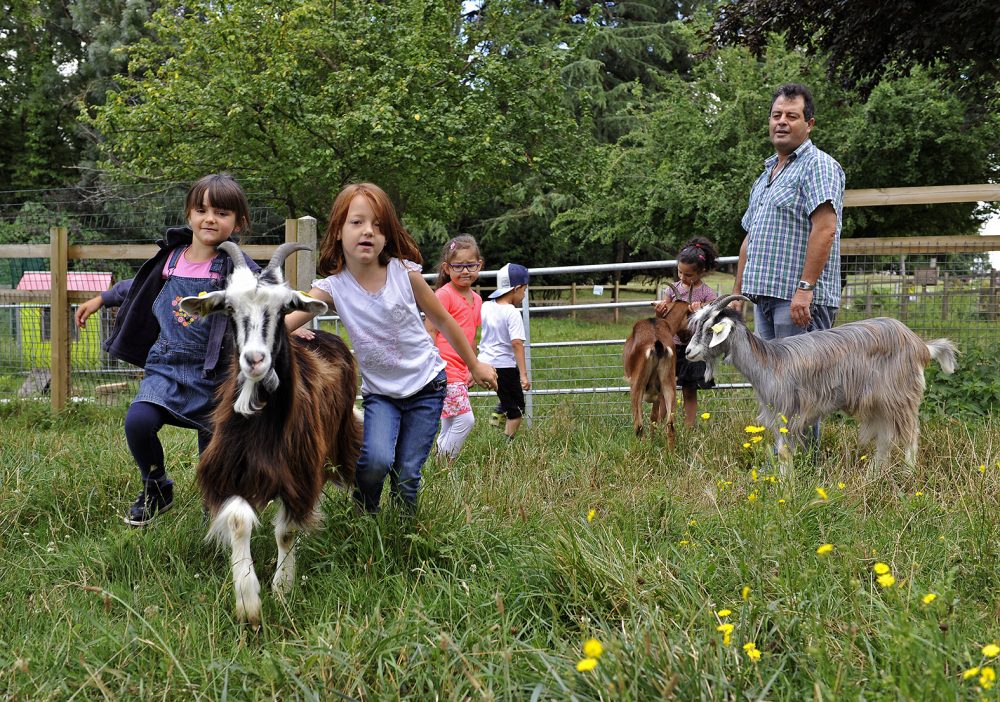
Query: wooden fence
[[300, 269]]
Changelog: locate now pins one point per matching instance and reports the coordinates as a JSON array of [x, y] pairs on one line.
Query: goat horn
[[234, 253], [723, 301], [673, 290], [284, 251]]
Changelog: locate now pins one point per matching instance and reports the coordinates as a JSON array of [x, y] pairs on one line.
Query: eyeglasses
[[467, 267]]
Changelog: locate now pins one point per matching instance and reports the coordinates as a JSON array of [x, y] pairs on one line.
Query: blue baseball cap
[[508, 278]]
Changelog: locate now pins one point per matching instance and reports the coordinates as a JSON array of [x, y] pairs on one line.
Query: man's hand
[[799, 310]]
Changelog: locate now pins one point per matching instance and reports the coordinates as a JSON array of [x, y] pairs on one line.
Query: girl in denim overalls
[[183, 362], [373, 279]]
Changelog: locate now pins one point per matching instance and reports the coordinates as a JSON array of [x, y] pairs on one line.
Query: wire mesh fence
[[942, 286]]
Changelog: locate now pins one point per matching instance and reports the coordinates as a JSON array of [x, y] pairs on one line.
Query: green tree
[[303, 97]]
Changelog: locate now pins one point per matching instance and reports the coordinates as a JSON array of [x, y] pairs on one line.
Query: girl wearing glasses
[[457, 273]]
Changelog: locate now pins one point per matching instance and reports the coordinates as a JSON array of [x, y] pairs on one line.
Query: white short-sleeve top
[[394, 350]]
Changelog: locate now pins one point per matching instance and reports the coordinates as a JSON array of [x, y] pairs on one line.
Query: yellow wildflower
[[821, 492], [753, 474], [591, 514], [586, 664], [864, 458], [781, 502], [725, 628], [752, 497], [987, 678], [982, 469], [745, 594], [887, 580], [746, 444], [919, 493], [880, 568], [417, 117], [970, 673], [749, 646], [593, 648], [683, 542], [841, 485], [753, 654], [991, 650], [753, 429], [824, 549], [706, 415], [928, 598], [693, 522], [724, 612], [756, 439]]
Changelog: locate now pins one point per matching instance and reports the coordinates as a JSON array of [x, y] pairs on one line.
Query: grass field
[[518, 556]]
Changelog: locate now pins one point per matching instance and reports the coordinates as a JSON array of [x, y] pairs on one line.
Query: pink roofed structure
[[77, 281]]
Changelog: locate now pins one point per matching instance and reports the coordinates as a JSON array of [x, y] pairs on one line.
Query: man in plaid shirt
[[790, 259]]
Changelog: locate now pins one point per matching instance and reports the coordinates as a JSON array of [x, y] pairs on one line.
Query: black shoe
[[153, 500]]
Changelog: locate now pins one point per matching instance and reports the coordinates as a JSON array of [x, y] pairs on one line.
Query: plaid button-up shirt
[[777, 224]]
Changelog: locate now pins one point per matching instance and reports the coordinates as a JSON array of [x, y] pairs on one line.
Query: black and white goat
[[872, 369], [285, 413]]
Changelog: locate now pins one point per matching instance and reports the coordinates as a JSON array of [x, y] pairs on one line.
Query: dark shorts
[[510, 393], [690, 374]]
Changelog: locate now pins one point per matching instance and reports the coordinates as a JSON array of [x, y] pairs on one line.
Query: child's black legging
[[142, 426]]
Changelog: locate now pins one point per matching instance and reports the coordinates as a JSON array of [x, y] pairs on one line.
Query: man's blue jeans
[[399, 434], [773, 320]]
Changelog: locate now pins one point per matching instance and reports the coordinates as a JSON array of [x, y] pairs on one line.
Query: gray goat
[[872, 369]]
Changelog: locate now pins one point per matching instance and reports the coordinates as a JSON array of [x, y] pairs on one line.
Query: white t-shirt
[[501, 325], [394, 350]]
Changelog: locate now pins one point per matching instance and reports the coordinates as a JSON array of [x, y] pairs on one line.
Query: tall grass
[[490, 591]]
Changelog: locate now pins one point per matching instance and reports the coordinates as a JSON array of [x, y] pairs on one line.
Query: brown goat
[[651, 364], [285, 414]]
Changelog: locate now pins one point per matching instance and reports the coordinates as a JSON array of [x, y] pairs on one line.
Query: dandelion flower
[[821, 492], [970, 673], [880, 568], [706, 415], [864, 458], [752, 497], [753, 474], [887, 580], [919, 493], [745, 594], [593, 648], [693, 522], [746, 444], [928, 598], [824, 549], [753, 654], [841, 485], [752, 429], [727, 612], [586, 664], [783, 430], [591, 514], [756, 439], [991, 650], [987, 678], [982, 469], [749, 646], [683, 542], [781, 502], [725, 628]]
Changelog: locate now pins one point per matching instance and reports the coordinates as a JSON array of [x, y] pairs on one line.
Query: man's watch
[[803, 285]]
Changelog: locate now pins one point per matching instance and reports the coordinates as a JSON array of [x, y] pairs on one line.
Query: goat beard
[[248, 401]]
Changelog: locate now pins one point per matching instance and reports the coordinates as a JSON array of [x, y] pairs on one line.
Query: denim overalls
[[174, 377]]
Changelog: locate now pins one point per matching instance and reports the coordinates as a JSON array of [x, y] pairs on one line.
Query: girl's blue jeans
[[399, 433]]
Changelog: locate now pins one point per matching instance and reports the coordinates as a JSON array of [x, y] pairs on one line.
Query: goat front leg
[[234, 524], [285, 533]]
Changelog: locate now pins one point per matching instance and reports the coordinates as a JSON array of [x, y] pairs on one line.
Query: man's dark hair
[[791, 90]]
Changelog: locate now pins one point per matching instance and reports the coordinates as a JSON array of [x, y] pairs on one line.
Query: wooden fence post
[[301, 274], [58, 318]]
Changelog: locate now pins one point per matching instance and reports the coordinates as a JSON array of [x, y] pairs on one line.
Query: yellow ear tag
[[717, 328], [202, 294]]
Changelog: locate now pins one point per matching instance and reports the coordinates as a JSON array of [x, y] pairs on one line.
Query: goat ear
[[720, 332], [301, 301], [204, 304]]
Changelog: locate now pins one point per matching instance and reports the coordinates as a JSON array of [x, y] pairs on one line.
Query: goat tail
[[944, 352], [234, 519]]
